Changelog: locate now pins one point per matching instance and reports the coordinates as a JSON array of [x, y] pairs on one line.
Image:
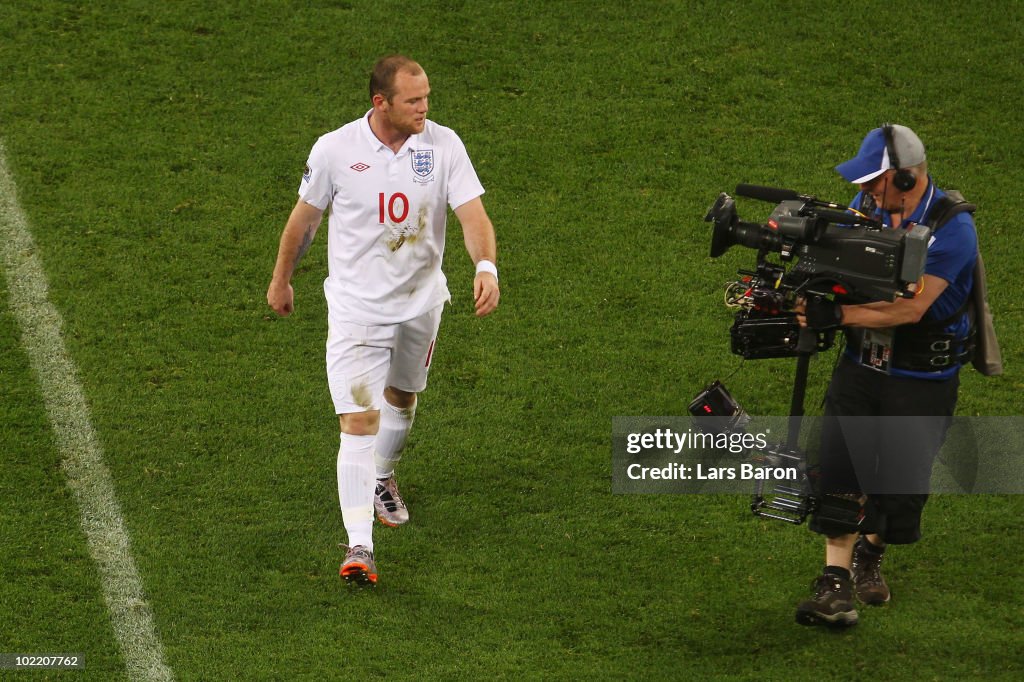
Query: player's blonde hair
[[382, 78]]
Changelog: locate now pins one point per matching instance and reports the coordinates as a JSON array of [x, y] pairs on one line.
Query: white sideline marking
[[88, 477]]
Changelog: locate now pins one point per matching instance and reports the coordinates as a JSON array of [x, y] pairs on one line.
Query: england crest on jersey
[[423, 164]]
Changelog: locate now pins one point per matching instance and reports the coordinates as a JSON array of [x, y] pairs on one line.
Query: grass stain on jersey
[[406, 234]]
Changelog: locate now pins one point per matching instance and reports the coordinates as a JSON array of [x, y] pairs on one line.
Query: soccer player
[[388, 178]]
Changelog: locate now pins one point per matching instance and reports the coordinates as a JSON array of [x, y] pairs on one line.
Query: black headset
[[904, 180]]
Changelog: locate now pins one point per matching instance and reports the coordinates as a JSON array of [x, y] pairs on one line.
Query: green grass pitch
[[157, 148]]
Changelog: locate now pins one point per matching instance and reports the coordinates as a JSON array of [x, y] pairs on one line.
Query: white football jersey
[[386, 229]]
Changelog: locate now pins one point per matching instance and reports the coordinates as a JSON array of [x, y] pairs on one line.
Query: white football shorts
[[362, 360]]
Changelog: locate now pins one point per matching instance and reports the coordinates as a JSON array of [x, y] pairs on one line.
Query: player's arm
[[481, 245], [295, 240]]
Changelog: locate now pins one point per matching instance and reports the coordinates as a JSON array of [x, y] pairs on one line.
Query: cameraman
[[902, 359]]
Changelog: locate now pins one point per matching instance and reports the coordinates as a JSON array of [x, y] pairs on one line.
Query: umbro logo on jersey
[[359, 167]]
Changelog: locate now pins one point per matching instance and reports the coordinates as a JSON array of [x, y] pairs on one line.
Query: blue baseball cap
[[873, 158]]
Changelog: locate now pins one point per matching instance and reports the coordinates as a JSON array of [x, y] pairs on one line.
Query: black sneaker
[[832, 603], [867, 575]]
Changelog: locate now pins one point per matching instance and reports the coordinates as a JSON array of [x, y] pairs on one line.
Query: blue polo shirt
[[952, 252]]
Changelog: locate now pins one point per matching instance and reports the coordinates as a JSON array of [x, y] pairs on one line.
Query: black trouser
[[880, 437]]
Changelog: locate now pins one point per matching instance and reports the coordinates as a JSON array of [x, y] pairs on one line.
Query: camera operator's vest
[[926, 346]]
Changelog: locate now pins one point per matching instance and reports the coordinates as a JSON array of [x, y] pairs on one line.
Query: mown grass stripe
[[87, 474]]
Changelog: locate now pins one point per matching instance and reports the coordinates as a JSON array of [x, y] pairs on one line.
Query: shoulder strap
[[953, 203]]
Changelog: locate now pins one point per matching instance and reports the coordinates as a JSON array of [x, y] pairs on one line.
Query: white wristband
[[487, 266]]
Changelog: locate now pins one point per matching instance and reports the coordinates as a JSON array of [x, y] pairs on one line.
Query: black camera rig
[[716, 411], [838, 253]]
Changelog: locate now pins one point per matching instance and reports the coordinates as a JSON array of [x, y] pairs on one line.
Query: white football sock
[[355, 488], [395, 423]]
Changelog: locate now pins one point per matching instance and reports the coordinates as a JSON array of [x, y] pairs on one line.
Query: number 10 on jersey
[[390, 207]]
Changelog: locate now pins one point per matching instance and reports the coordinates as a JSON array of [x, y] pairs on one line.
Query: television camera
[[836, 252]]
